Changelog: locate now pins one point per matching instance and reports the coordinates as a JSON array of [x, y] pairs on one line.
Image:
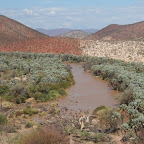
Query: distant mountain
[[76, 34], [13, 31], [54, 32], [120, 32], [61, 31], [90, 30]]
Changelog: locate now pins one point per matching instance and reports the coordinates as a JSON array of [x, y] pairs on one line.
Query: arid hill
[[120, 32], [47, 45], [13, 31], [15, 36], [76, 34]]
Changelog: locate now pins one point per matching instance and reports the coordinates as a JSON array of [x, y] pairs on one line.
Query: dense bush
[[25, 75]]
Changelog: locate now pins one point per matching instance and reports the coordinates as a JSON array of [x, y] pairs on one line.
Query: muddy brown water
[[88, 92]]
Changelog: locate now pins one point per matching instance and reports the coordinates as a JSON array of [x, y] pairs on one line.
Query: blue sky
[[75, 14]]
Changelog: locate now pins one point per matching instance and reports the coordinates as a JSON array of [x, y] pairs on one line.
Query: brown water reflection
[[88, 93]]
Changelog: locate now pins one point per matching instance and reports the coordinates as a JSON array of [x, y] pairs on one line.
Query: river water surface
[[88, 92]]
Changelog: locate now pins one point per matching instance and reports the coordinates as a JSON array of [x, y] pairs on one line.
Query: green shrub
[[62, 92], [29, 124], [109, 119], [30, 111], [3, 89], [3, 119], [53, 95], [99, 108], [18, 101]]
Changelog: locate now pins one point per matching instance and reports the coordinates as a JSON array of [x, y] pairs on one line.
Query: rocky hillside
[[76, 34], [15, 36], [13, 31], [132, 51], [120, 32], [47, 45]]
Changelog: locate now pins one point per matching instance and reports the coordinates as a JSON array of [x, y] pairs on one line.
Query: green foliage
[[99, 109], [27, 75], [46, 72], [127, 78], [3, 119], [3, 89], [85, 134], [99, 137], [30, 111], [108, 118]]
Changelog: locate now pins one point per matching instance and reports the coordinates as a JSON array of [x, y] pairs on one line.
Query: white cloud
[[28, 11], [52, 13], [55, 17]]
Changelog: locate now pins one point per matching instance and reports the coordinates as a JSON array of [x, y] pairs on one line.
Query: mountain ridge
[[13, 31], [61, 31], [76, 34], [119, 32]]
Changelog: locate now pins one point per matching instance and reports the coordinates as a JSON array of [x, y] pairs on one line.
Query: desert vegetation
[[43, 77], [127, 78]]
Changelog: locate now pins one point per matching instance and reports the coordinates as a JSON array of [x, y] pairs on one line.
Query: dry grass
[[44, 136]]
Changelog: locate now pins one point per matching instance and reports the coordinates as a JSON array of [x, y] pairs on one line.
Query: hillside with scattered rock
[[47, 45], [131, 51], [119, 32]]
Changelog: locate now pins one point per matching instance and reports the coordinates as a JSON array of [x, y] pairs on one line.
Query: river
[[88, 92]]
